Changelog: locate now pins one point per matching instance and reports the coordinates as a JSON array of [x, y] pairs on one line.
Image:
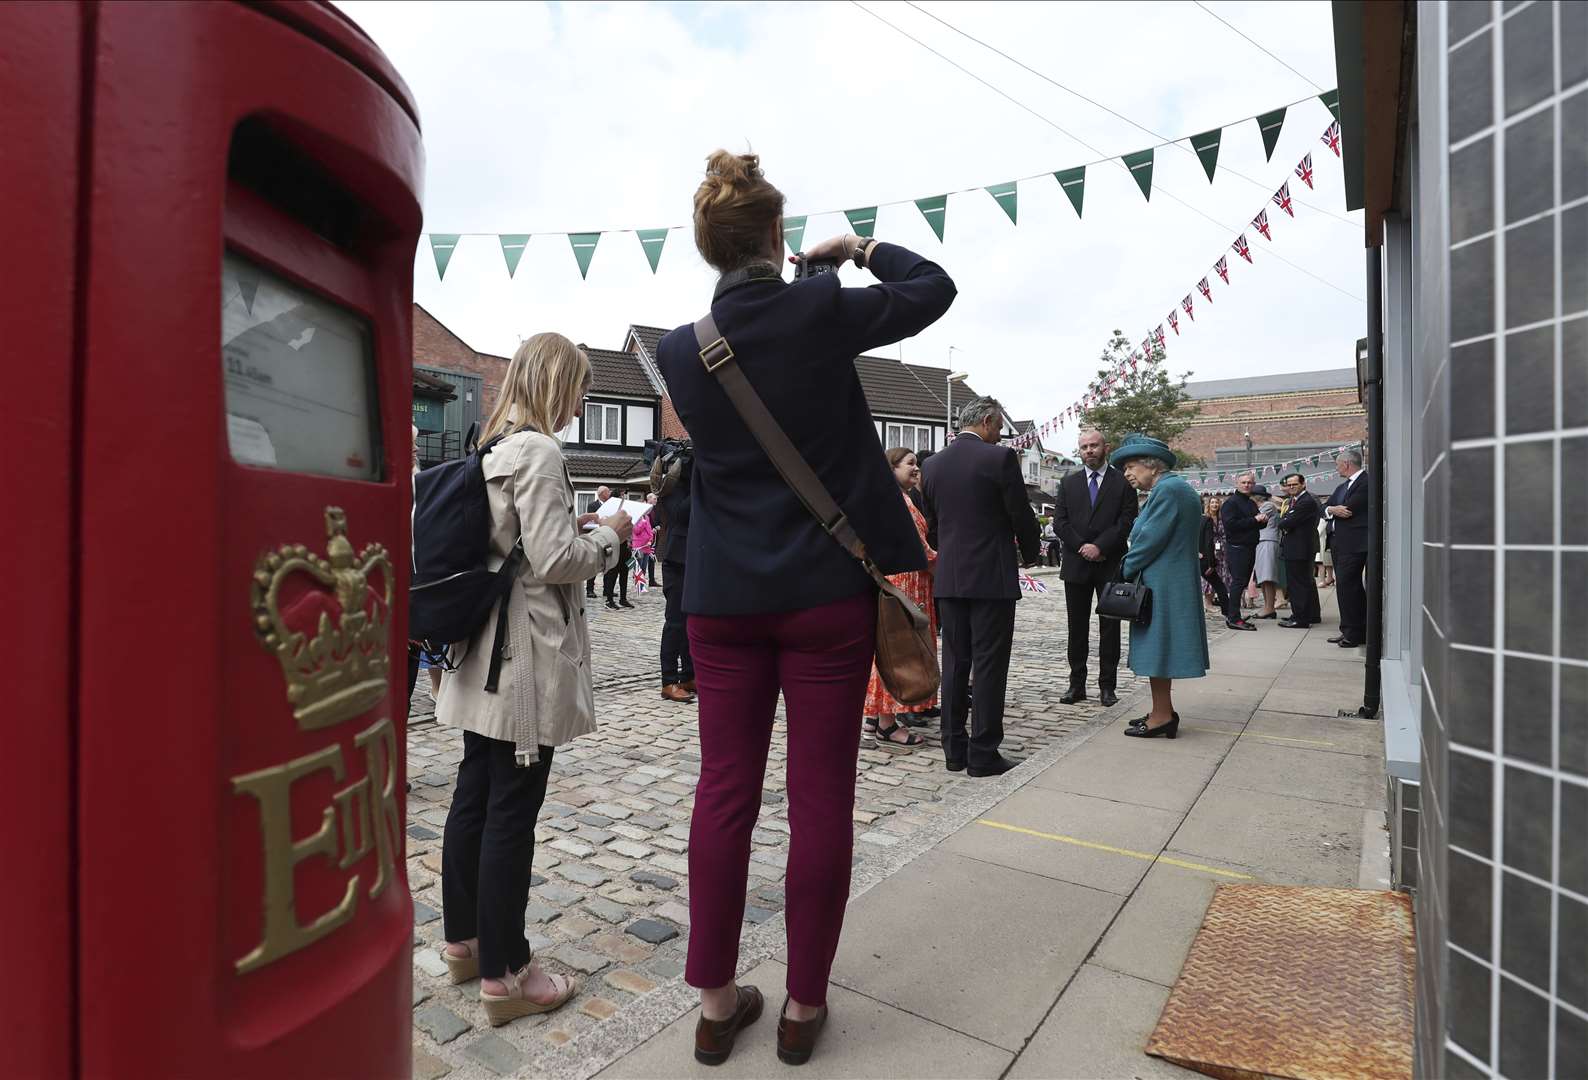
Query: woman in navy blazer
[[774, 603]]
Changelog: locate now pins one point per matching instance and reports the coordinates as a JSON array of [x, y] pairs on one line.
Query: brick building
[[1287, 416]]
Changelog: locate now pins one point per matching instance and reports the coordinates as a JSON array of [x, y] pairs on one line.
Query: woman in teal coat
[[1163, 556]]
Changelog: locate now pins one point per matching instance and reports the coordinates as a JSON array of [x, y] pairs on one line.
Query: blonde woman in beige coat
[[544, 696]]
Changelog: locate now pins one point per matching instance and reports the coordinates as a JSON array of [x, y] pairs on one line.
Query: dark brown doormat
[[1295, 982]]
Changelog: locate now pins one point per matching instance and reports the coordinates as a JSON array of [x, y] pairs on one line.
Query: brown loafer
[[714, 1038], [675, 692], [689, 684], [796, 1039]]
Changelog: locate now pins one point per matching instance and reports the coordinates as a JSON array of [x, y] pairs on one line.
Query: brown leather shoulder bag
[[906, 655]]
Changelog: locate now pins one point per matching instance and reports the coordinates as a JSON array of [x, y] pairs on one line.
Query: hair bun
[[732, 169]]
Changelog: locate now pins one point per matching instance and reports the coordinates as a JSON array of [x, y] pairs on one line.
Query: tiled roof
[[603, 465], [1288, 383], [618, 373], [895, 389], [1022, 426], [650, 338]]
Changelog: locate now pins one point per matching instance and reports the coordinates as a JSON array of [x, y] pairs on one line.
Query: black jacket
[[976, 497], [672, 517], [1241, 527], [1078, 522], [1206, 554], [753, 547], [1298, 528], [1348, 536]]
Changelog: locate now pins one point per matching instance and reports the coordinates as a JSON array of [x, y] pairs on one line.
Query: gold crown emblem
[[325, 624]]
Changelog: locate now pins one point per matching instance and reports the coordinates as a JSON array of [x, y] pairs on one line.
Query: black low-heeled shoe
[[1141, 721], [1167, 731]]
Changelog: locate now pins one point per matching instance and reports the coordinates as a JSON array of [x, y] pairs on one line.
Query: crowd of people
[[1262, 552], [790, 606]]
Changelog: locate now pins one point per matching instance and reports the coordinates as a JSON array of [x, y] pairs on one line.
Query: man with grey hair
[[1348, 511], [1243, 526], [976, 499]]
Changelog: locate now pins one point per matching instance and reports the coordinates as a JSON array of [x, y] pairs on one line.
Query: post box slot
[[267, 162]]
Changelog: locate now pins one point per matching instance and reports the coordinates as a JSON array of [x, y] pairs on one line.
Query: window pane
[[592, 422], [893, 437], [614, 423]]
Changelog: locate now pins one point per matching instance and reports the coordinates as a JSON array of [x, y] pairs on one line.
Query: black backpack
[[452, 592]]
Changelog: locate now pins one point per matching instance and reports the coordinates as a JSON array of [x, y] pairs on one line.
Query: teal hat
[[1138, 445]]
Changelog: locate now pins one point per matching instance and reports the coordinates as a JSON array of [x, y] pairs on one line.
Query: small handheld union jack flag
[[1241, 247], [1282, 198], [1174, 322], [1206, 290], [1331, 137], [1186, 303], [1260, 222], [1304, 170], [1223, 268]]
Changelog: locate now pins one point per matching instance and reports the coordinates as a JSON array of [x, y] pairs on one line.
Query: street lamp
[[1247, 435], [948, 394]]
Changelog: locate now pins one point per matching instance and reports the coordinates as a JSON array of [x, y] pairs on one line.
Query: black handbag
[[1126, 601]]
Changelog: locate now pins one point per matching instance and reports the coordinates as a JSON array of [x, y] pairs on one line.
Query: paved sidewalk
[[1040, 937]]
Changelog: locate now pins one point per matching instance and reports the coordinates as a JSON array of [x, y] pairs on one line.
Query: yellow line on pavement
[[1257, 735], [1113, 850]]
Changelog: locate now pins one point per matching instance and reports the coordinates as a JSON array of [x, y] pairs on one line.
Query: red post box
[[222, 215]]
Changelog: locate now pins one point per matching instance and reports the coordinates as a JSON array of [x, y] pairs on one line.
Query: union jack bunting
[[1260, 222], [1158, 335], [1331, 137], [1223, 269], [1186, 303], [1282, 198], [1146, 350], [1241, 248], [1207, 292], [1174, 322], [1304, 170]]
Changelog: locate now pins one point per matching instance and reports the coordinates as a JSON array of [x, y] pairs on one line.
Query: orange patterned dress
[[917, 584]]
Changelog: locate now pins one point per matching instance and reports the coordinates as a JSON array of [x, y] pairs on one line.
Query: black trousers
[[677, 667], [1303, 591], [1078, 599], [977, 638], [1352, 594], [1242, 560], [488, 849], [618, 576]]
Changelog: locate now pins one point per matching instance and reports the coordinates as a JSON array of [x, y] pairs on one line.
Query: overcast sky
[[584, 116]]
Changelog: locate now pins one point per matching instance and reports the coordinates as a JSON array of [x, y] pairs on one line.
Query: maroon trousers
[[821, 660]]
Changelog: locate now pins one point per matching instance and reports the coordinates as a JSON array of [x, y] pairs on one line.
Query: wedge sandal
[[504, 1008]]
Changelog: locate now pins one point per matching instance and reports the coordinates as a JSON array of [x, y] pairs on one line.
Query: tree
[[1145, 399]]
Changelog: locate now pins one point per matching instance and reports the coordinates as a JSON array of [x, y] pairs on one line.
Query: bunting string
[[934, 209], [1100, 390]]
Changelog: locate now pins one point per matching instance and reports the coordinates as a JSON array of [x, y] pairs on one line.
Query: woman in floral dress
[[885, 717]]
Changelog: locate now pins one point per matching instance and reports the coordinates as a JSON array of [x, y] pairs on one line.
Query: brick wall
[[436, 346], [1331, 417], [672, 426]]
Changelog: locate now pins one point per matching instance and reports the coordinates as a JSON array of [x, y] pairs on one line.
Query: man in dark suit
[[602, 495], [1095, 511], [1349, 510], [976, 498], [1298, 543], [1242, 528]]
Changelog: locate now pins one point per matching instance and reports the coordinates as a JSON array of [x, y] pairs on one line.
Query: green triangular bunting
[[863, 221], [934, 210], [442, 245], [1331, 101], [1207, 147], [584, 245], [1269, 124], [1007, 198], [513, 245], [1140, 166], [652, 240], [793, 233], [1073, 181]]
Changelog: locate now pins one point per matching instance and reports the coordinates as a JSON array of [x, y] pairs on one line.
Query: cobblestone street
[[609, 902]]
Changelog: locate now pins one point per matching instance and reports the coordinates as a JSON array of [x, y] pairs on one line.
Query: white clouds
[[593, 116]]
